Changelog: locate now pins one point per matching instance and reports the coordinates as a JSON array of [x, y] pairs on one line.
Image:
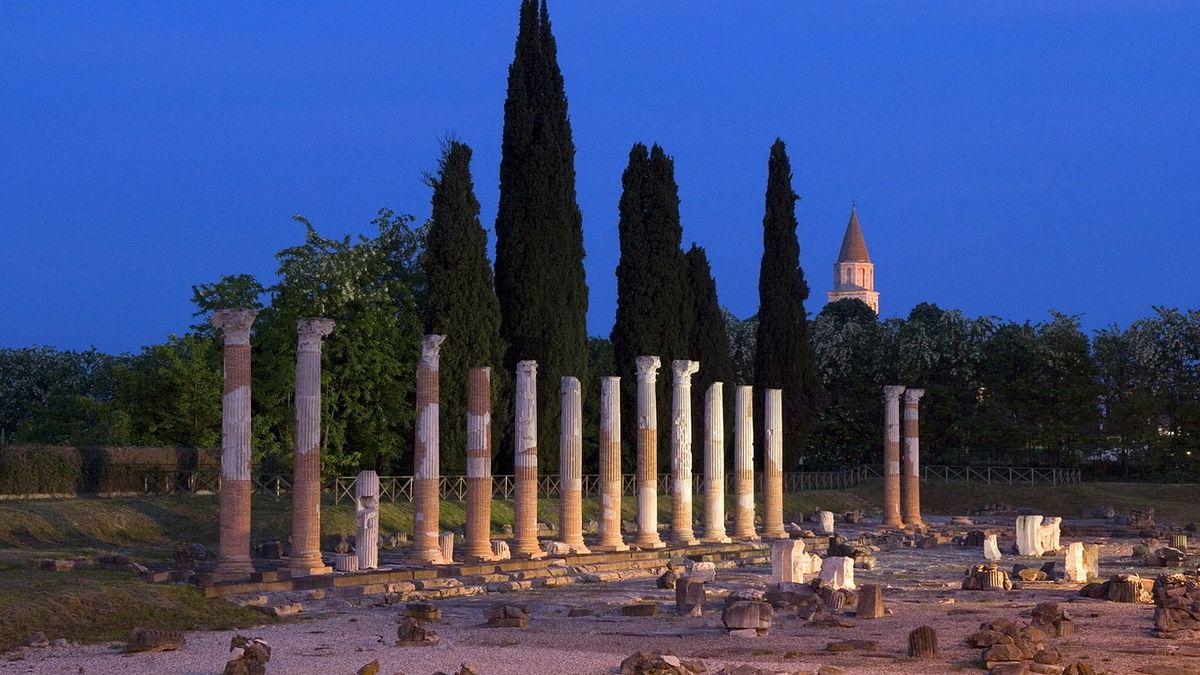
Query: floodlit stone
[[525, 481], [826, 518], [714, 465], [681, 452], [743, 464], [773, 466], [837, 573], [911, 477], [1076, 570], [991, 549], [1029, 541], [366, 518], [233, 558], [427, 491], [891, 456], [790, 563], [570, 463], [610, 466], [647, 453], [476, 542]]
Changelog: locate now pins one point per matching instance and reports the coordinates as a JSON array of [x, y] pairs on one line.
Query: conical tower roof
[[854, 247]]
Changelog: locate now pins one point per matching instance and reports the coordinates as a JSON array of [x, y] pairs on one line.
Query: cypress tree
[[783, 356], [708, 344], [461, 301], [539, 230], [654, 305]]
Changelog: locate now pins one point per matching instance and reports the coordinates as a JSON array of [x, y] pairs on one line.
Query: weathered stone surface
[[371, 668], [837, 573], [411, 633], [689, 597], [247, 656], [852, 646], [640, 609], [423, 611], [703, 572], [922, 643], [991, 549], [143, 639], [651, 663], [870, 602], [667, 580], [748, 615]]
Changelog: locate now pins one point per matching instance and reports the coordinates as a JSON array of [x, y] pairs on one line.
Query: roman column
[[714, 465], [305, 558], [477, 544], [743, 463], [525, 482], [912, 460], [610, 466], [427, 481], [570, 467], [773, 466], [233, 558], [891, 455], [681, 452], [647, 453]]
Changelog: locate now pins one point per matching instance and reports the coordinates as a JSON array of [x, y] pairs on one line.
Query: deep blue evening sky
[[1006, 158]]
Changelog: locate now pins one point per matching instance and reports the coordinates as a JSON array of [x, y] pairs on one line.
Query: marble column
[[570, 467], [305, 558], [773, 466], [525, 482], [427, 480], [743, 463], [891, 456], [477, 545], [714, 465], [233, 557], [610, 466], [647, 453], [912, 460], [681, 452]]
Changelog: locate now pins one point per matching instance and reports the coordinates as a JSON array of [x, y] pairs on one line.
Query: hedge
[[28, 470]]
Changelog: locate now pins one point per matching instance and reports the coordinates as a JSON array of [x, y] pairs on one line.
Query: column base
[[528, 555], [894, 522], [715, 539], [609, 548], [429, 556], [685, 541], [233, 570], [650, 545], [777, 534], [309, 570], [578, 549], [746, 537]]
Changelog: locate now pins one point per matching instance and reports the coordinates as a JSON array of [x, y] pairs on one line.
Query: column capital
[[647, 368], [311, 332], [570, 385], [892, 392], [684, 369], [911, 396], [527, 368], [234, 324], [431, 349]]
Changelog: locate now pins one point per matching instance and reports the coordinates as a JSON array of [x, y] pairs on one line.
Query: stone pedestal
[[306, 482], [446, 546], [714, 465], [1029, 540], [912, 460], [837, 572], [773, 467], [477, 544], [891, 456], [743, 464], [647, 453], [570, 467], [366, 519], [826, 521], [525, 480], [610, 466], [427, 492], [790, 564], [991, 549], [1076, 570], [681, 452], [233, 557]]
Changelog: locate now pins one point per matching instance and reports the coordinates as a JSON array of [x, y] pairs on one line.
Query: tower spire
[[854, 273]]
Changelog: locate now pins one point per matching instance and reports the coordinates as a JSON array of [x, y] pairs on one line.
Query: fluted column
[[610, 466], [570, 467], [427, 490], [714, 465], [681, 452], [525, 485], [306, 464], [891, 455], [773, 466], [477, 544], [743, 463], [647, 453], [912, 459], [233, 557]]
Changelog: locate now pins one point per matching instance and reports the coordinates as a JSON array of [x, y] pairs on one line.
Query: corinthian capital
[[234, 324], [311, 332]]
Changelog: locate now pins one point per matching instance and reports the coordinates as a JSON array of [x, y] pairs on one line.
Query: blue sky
[[1006, 158]]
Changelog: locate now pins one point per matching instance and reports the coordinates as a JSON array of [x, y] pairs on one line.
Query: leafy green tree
[[53, 396], [708, 344], [172, 393], [461, 301], [654, 304], [783, 357], [539, 230]]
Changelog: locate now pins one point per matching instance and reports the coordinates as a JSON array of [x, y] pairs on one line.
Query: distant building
[[853, 273]]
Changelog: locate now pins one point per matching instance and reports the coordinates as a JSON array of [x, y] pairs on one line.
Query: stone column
[[743, 463], [233, 558], [610, 466], [714, 465], [570, 467], [525, 483], [912, 460], [681, 452], [427, 481], [773, 466], [891, 456], [305, 558], [477, 545], [647, 453]]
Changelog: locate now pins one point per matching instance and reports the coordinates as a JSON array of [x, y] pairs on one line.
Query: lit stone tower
[[853, 273]]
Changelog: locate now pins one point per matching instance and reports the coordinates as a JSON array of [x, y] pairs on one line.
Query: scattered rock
[[505, 615], [247, 656], [37, 639], [922, 643], [371, 668], [651, 663], [640, 609], [423, 611], [154, 640], [410, 633], [744, 615]]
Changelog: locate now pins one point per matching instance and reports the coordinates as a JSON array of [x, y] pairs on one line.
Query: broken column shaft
[[610, 466], [525, 481], [427, 481], [570, 467], [647, 453], [681, 452], [773, 466], [305, 558], [743, 463], [714, 465]]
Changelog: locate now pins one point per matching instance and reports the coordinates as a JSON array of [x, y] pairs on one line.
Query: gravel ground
[[921, 588]]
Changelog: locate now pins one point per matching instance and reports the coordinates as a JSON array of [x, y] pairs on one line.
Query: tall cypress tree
[[708, 344], [654, 306], [461, 301], [539, 230], [783, 358]]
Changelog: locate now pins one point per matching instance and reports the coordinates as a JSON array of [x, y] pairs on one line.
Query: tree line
[[996, 391]]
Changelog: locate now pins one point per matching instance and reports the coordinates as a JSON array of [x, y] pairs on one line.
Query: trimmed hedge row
[[28, 470]]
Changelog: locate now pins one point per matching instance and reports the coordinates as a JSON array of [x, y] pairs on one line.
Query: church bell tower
[[854, 273]]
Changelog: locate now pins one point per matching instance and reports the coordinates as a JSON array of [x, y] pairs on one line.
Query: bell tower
[[854, 273]]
